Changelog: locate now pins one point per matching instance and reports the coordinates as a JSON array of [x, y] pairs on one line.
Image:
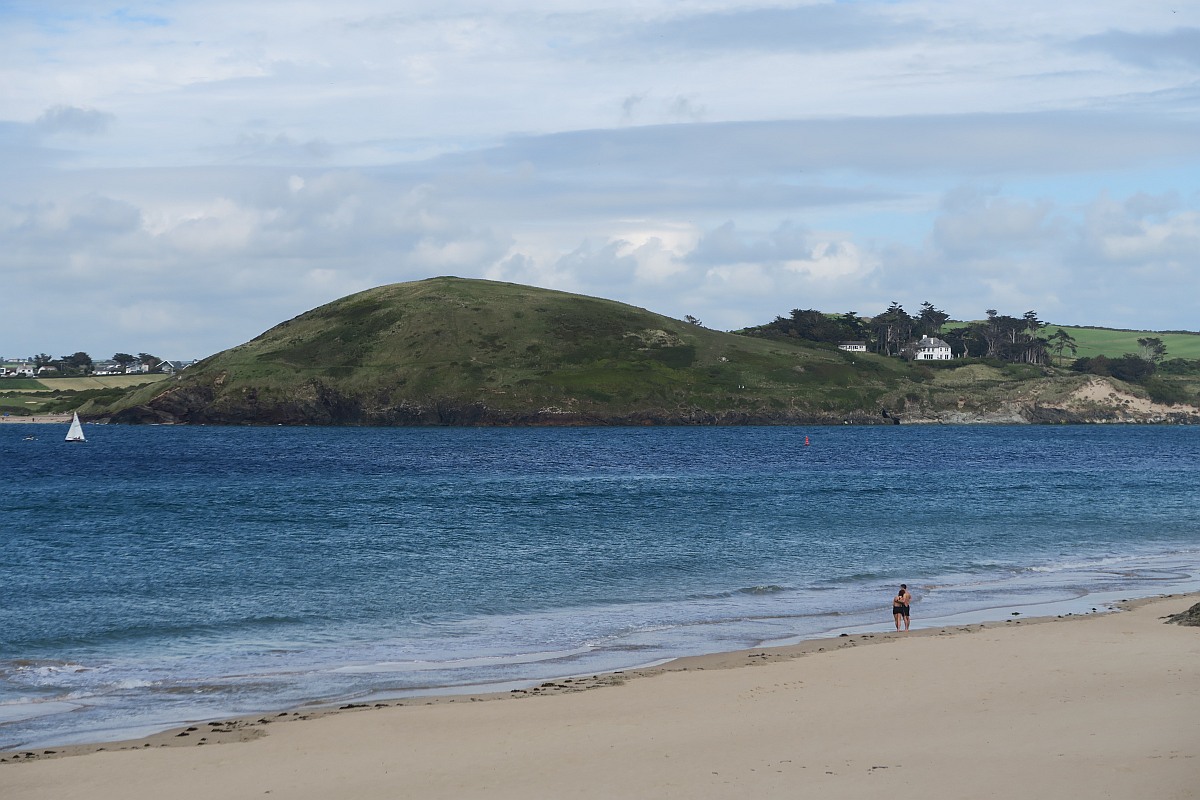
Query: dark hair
[[904, 586]]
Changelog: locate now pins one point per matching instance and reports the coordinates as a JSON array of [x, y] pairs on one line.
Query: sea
[[161, 575]]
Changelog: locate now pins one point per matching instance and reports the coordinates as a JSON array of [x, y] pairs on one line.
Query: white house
[[853, 347], [931, 348], [174, 367], [17, 369]]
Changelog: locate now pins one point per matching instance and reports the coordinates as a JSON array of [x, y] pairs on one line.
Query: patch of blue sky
[[64, 17], [132, 18], [1182, 180]]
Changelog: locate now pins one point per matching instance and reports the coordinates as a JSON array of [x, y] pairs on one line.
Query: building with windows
[[931, 348]]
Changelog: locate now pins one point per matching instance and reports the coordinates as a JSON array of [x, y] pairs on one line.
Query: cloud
[[806, 28], [976, 223], [730, 159], [70, 119], [1149, 234], [281, 148], [1179, 47], [973, 144]]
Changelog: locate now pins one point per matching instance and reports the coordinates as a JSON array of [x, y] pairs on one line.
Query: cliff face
[[322, 405], [1097, 402]]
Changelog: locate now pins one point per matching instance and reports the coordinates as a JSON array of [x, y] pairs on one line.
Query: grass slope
[[382, 355], [24, 396]]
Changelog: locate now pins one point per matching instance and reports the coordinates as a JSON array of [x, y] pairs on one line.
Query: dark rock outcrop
[[1190, 617]]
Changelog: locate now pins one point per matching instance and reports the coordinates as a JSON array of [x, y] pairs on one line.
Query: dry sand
[[64, 419], [1102, 706]]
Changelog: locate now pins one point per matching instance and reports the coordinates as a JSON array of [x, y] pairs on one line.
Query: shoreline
[[37, 419], [249, 720], [1104, 705], [248, 727]]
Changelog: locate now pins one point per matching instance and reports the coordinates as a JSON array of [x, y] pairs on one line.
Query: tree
[[932, 319], [43, 360], [853, 326], [1033, 350], [993, 332], [1152, 349], [1061, 341], [966, 341], [688, 318], [1131, 367], [79, 363], [893, 329], [123, 360]]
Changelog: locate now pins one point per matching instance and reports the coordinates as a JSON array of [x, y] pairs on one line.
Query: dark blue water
[[156, 575]]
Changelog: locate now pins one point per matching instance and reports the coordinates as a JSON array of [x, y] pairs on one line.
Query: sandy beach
[[62, 419], [1098, 706]]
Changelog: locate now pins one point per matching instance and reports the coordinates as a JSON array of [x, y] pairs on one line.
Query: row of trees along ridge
[[82, 364], [894, 332]]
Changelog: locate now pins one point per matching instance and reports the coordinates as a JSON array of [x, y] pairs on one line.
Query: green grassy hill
[[451, 351], [448, 350]]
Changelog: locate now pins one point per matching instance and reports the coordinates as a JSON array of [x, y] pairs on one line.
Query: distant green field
[[8, 385], [45, 395], [1094, 342], [1105, 342], [17, 384]]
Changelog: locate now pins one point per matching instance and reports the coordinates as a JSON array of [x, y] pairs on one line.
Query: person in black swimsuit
[[900, 604]]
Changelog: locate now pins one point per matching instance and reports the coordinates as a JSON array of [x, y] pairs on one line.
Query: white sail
[[76, 432]]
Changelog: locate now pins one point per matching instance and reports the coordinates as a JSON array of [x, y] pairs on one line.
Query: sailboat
[[76, 432]]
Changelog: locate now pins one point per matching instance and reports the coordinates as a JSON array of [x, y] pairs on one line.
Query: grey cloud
[[89, 218], [20, 150], [70, 119], [978, 224], [1180, 46], [684, 108], [822, 27], [971, 144], [727, 245], [220, 238], [629, 106], [1144, 231], [278, 149], [599, 265]]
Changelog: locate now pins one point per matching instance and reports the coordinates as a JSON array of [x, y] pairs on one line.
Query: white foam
[[459, 663], [31, 709]]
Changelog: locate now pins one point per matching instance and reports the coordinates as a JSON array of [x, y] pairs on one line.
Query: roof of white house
[[931, 343]]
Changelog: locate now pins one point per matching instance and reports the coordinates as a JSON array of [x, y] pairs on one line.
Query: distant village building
[[17, 369], [853, 347], [173, 367], [930, 348]]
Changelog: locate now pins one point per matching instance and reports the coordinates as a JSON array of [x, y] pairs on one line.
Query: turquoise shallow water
[[157, 575]]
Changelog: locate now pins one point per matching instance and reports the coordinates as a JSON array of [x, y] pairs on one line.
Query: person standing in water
[[900, 604]]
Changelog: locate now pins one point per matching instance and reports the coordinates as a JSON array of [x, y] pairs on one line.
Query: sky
[[178, 177]]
